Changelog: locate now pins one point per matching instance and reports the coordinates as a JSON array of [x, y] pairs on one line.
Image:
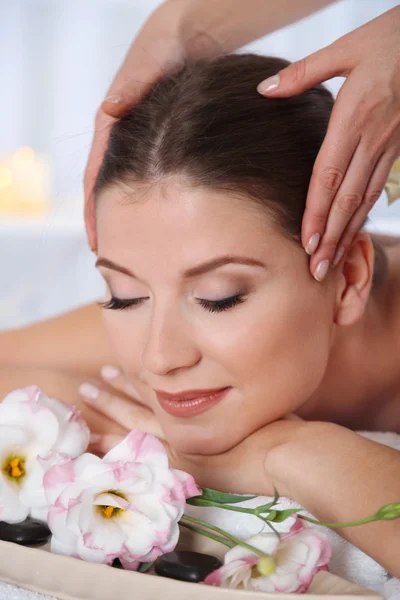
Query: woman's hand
[[363, 137], [246, 468], [118, 401]]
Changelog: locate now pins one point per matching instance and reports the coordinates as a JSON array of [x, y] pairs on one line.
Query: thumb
[[306, 73]]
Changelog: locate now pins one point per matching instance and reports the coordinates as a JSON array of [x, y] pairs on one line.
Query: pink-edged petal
[[30, 394], [139, 447], [190, 487], [266, 542], [59, 547], [57, 477], [236, 573], [128, 563], [214, 578]]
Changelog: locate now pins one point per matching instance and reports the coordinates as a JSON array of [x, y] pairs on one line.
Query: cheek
[[278, 352]]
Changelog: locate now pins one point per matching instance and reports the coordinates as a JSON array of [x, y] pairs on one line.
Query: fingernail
[[95, 437], [338, 256], [313, 243], [89, 391], [321, 270], [114, 98], [109, 372], [268, 85]]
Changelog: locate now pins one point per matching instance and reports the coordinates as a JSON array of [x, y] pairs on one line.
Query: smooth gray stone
[[28, 533], [186, 566]]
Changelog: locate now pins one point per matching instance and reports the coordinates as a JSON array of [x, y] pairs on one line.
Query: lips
[[190, 402], [187, 395]]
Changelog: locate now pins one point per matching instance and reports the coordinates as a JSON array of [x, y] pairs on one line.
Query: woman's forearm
[[340, 476], [74, 341], [230, 24]]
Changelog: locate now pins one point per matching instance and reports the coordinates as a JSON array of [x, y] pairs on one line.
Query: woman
[[213, 316]]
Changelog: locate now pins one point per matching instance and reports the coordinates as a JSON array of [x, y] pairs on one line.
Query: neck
[[362, 379]]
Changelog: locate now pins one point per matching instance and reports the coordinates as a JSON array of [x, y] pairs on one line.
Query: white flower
[[126, 505], [35, 431], [289, 564]]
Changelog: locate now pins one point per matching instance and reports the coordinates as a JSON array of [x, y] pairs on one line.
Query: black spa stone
[[186, 566], [28, 533]]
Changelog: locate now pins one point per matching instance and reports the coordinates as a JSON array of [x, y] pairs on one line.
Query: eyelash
[[212, 306]]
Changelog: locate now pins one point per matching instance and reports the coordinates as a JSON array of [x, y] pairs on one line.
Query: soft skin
[[272, 349]]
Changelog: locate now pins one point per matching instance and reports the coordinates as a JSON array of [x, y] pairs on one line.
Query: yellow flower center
[[109, 511], [14, 468], [266, 565]]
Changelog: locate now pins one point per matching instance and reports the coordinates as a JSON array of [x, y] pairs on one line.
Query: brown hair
[[207, 122]]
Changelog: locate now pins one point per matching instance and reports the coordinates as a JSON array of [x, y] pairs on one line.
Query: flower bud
[[389, 511], [266, 565]]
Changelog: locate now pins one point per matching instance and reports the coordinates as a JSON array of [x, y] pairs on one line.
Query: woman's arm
[[230, 24], [341, 476], [75, 342]]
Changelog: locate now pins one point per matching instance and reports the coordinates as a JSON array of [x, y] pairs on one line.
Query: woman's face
[[271, 349]]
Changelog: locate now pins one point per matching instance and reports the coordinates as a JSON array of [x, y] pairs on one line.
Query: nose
[[169, 344]]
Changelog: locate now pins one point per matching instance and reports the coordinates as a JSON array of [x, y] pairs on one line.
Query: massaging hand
[[244, 469], [363, 138], [156, 49]]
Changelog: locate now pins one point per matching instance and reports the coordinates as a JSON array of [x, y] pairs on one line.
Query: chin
[[195, 439]]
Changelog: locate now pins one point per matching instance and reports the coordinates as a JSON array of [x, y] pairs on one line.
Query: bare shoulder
[[385, 240], [74, 341]]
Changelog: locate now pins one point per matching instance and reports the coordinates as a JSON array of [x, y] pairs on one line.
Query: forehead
[[180, 223]]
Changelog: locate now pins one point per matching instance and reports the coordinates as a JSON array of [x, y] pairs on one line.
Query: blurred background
[[58, 58]]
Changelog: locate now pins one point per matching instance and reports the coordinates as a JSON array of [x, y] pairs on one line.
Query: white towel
[[347, 561]]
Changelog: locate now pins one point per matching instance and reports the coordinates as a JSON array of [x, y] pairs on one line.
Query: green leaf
[[271, 516], [282, 515], [267, 507], [144, 567], [220, 497]]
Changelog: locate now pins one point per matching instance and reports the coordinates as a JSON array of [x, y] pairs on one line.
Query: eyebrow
[[210, 265]]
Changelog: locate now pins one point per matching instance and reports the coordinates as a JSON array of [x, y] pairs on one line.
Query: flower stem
[[250, 511], [227, 507], [208, 534], [234, 539], [346, 524]]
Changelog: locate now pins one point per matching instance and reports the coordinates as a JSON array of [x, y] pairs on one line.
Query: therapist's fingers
[[376, 183], [362, 142], [303, 74]]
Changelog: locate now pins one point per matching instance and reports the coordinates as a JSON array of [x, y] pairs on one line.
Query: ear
[[354, 280]]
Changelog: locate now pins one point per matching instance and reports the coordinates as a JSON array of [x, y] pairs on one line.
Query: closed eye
[[220, 305], [209, 305], [117, 304]]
